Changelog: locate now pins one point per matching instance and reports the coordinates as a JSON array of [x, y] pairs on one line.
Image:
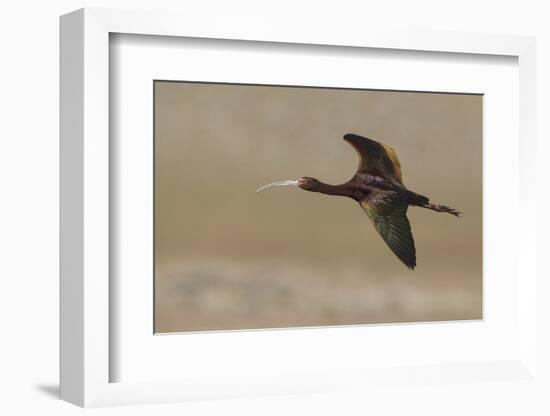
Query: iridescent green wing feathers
[[395, 229]]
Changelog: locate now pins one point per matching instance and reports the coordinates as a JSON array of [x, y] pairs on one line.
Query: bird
[[378, 187]]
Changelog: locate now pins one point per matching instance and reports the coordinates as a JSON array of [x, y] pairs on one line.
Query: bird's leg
[[442, 208]]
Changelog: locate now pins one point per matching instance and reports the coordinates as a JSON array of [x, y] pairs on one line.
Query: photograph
[[288, 206]]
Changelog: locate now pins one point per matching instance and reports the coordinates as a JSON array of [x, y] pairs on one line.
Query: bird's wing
[[392, 224], [377, 159]]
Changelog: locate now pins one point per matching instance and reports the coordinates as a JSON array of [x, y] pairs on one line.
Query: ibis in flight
[[378, 188]]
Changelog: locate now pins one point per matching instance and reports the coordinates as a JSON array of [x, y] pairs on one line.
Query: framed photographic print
[[261, 212], [228, 258]]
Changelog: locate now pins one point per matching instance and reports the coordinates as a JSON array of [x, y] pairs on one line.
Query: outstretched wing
[[393, 225], [377, 159]]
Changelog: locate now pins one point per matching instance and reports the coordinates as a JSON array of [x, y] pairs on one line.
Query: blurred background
[[229, 258]]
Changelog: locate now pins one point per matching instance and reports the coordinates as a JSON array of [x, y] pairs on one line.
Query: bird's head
[[308, 183]]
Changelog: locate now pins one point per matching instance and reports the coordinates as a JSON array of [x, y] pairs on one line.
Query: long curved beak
[[290, 182]]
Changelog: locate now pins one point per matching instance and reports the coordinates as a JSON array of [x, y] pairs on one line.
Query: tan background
[[228, 258]]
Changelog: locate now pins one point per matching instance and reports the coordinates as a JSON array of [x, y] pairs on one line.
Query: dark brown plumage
[[378, 188]]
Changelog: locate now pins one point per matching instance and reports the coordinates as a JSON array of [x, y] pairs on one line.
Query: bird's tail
[[424, 202]]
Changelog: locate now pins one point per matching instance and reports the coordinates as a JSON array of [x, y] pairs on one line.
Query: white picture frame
[[86, 305]]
